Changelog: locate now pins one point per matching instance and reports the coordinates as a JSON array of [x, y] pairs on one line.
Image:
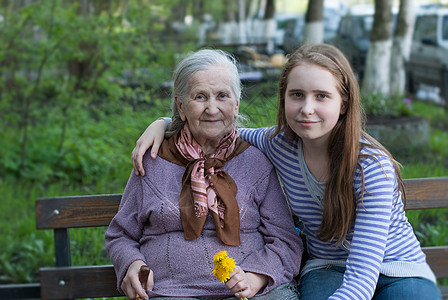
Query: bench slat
[[78, 282], [425, 193], [98, 210], [444, 291], [76, 211], [437, 258], [20, 291]]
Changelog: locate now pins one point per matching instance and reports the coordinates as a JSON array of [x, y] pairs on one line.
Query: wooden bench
[[65, 281]]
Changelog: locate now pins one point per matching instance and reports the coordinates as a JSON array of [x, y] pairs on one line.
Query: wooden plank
[[76, 211], [423, 193], [20, 291], [437, 258], [444, 291], [98, 210], [78, 282]]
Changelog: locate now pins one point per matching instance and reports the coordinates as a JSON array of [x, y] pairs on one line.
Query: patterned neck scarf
[[204, 194], [205, 187]]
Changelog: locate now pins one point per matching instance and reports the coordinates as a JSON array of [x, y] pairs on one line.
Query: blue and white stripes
[[381, 239]]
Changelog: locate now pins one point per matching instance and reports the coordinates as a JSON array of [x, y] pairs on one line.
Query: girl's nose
[[308, 107]]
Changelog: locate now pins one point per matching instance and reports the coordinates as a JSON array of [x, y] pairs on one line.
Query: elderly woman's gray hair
[[201, 60]]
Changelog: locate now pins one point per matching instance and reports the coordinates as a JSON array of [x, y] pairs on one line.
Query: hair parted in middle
[[345, 139]]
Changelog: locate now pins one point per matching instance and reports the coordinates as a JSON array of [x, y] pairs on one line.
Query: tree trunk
[[314, 22], [269, 25], [250, 9], [198, 10], [179, 11], [376, 77], [25, 114], [200, 18], [228, 29], [401, 47], [242, 22]]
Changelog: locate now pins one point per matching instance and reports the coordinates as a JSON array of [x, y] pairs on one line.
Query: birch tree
[[314, 22], [376, 76], [228, 27], [242, 36], [401, 46], [269, 24]]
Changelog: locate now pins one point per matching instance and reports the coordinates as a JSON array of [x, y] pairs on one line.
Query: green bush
[[61, 70], [377, 104]]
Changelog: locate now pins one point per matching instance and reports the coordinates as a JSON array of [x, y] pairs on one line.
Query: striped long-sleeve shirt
[[381, 239]]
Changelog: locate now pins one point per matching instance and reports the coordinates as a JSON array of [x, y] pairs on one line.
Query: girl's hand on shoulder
[[131, 285], [153, 136], [245, 285]]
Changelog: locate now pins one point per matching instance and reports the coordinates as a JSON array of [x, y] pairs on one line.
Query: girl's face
[[312, 102]]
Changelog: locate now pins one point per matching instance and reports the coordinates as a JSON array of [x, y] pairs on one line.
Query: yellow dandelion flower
[[228, 264], [224, 266], [221, 274], [219, 256]]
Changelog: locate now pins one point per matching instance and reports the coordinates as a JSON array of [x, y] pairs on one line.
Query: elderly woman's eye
[[223, 96], [200, 97]]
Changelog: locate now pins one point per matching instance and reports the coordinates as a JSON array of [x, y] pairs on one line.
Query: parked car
[[353, 39], [294, 28], [293, 36], [428, 61], [353, 35]]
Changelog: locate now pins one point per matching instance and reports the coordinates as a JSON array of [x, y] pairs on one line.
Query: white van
[[428, 61]]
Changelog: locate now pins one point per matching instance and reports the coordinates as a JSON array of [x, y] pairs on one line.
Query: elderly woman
[[207, 191]]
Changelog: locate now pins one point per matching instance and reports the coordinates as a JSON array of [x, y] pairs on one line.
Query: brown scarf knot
[[205, 187]]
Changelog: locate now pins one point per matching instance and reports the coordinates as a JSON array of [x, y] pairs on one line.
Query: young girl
[[343, 185]]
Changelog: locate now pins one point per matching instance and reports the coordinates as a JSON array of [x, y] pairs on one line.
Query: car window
[[356, 27], [445, 28], [425, 28], [344, 27], [367, 25]]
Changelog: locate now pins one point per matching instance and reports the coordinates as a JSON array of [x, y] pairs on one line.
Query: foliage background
[[77, 89]]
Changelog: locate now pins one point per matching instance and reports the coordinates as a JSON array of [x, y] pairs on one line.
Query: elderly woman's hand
[[153, 136], [131, 285], [245, 285]]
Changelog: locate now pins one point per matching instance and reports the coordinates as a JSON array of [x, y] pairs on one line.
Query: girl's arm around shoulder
[[259, 137]]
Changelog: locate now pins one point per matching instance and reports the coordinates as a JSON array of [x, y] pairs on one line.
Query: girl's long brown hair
[[345, 139]]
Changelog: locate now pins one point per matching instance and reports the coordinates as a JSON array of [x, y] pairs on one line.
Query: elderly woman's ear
[[179, 108], [237, 106]]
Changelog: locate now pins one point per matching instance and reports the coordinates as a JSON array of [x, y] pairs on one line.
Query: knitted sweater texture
[[148, 227]]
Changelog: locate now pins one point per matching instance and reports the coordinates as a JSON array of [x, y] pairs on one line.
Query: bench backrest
[[60, 213]]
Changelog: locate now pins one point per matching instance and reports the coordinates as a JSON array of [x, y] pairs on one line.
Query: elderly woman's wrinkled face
[[210, 107]]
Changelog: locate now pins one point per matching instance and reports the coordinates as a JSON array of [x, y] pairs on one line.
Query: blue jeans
[[284, 292], [322, 283]]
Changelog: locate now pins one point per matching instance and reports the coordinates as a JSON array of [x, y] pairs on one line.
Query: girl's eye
[[321, 96], [298, 95]]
